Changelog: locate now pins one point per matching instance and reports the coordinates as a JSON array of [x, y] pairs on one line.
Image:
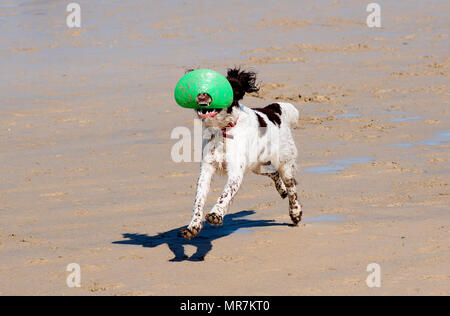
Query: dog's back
[[289, 114]]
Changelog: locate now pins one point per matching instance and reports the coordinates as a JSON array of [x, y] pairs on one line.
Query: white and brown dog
[[257, 140]]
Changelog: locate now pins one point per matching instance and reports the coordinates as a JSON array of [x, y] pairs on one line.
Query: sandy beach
[[86, 174]]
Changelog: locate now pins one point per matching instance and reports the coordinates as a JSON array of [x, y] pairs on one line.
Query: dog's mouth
[[207, 113]]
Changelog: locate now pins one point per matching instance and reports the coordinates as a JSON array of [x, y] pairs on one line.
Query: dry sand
[[86, 175]]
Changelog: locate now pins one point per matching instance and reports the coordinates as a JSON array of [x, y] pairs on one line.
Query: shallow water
[[326, 169], [337, 166], [348, 115], [404, 119], [403, 145], [442, 138]]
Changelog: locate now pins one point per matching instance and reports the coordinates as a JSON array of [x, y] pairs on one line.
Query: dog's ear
[[242, 82]]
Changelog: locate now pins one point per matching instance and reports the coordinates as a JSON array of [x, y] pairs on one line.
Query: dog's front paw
[[296, 218], [214, 219], [189, 233]]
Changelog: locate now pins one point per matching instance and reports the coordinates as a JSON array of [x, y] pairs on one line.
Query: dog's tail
[[290, 114], [242, 82]]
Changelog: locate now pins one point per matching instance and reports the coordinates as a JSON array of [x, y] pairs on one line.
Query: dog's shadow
[[203, 241]]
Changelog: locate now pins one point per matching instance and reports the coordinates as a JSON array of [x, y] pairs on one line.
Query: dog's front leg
[[215, 217], [203, 184]]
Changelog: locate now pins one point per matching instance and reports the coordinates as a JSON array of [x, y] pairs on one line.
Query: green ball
[[204, 81]]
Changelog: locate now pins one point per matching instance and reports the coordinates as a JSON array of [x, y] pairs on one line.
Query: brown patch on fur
[[289, 182], [262, 125], [261, 121], [292, 200], [296, 218], [214, 219], [189, 233], [274, 107], [273, 113], [293, 197], [278, 184]]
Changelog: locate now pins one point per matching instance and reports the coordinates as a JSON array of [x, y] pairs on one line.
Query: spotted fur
[[273, 113], [272, 152]]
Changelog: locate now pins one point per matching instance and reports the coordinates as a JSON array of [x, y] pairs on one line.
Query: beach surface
[[86, 174]]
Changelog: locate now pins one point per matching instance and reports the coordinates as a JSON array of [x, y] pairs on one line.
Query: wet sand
[[87, 177]]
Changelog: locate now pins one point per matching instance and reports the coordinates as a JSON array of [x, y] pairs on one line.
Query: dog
[[243, 139]]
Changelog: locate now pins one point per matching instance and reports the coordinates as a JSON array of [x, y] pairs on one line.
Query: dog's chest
[[214, 153]]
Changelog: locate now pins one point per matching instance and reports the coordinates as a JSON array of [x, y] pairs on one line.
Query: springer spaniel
[[238, 139]]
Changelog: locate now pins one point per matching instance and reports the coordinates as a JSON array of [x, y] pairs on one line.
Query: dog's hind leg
[[269, 170], [295, 210], [204, 182], [279, 185]]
